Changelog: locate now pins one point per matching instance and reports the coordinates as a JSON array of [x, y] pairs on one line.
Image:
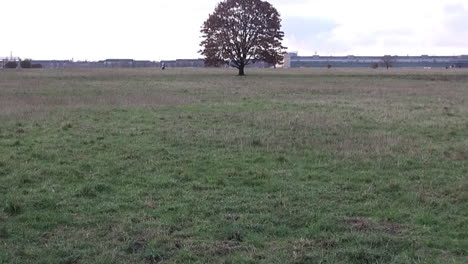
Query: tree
[[273, 58], [388, 61], [26, 64], [242, 32], [11, 65]]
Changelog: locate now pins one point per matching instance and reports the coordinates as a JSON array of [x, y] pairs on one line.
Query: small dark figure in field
[[329, 66], [163, 66]]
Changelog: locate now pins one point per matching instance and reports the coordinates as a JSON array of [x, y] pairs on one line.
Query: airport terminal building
[[293, 60]]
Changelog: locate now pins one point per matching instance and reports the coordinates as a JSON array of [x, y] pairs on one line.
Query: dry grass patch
[[201, 166]]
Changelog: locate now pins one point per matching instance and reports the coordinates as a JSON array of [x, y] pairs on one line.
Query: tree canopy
[[242, 32], [388, 61], [26, 64]]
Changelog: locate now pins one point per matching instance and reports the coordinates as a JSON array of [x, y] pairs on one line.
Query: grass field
[[202, 166]]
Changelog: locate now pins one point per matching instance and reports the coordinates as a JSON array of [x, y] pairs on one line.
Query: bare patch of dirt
[[217, 248], [153, 259], [392, 228], [363, 224], [236, 236], [44, 237], [327, 244], [301, 247], [232, 218], [359, 224], [457, 155], [224, 248], [307, 244], [136, 247]]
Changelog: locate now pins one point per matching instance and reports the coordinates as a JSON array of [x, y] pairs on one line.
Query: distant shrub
[[11, 65], [26, 64], [374, 65]]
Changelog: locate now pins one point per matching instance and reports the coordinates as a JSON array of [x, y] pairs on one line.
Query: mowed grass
[[202, 166]]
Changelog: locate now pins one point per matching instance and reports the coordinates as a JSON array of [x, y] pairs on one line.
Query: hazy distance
[[162, 30]]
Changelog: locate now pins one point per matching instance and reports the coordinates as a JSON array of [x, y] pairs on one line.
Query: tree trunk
[[241, 70]]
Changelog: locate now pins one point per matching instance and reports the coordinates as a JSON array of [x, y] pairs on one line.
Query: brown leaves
[[242, 31]]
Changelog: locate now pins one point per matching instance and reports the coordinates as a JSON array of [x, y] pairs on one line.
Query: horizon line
[[293, 52]]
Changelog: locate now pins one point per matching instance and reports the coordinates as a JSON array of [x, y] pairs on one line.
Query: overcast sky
[[170, 29]]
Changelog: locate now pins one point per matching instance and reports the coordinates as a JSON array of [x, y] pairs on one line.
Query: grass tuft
[[4, 234], [67, 126], [13, 208]]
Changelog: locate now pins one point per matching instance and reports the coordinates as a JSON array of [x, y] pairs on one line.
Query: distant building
[[128, 63], [287, 59], [109, 63], [144, 64], [53, 64], [260, 64], [292, 60], [118, 63], [200, 63], [185, 63], [4, 60]]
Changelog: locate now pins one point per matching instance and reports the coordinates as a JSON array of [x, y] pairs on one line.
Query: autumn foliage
[[242, 32]]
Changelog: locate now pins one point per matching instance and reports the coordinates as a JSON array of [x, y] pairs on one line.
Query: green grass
[[201, 166]]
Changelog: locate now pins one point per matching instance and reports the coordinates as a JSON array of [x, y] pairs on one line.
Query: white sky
[[170, 29]]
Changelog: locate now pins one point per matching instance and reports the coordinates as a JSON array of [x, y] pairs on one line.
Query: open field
[[202, 166]]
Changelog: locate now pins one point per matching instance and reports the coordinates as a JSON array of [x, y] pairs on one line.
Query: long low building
[[292, 60], [200, 63], [109, 63], [184, 63]]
